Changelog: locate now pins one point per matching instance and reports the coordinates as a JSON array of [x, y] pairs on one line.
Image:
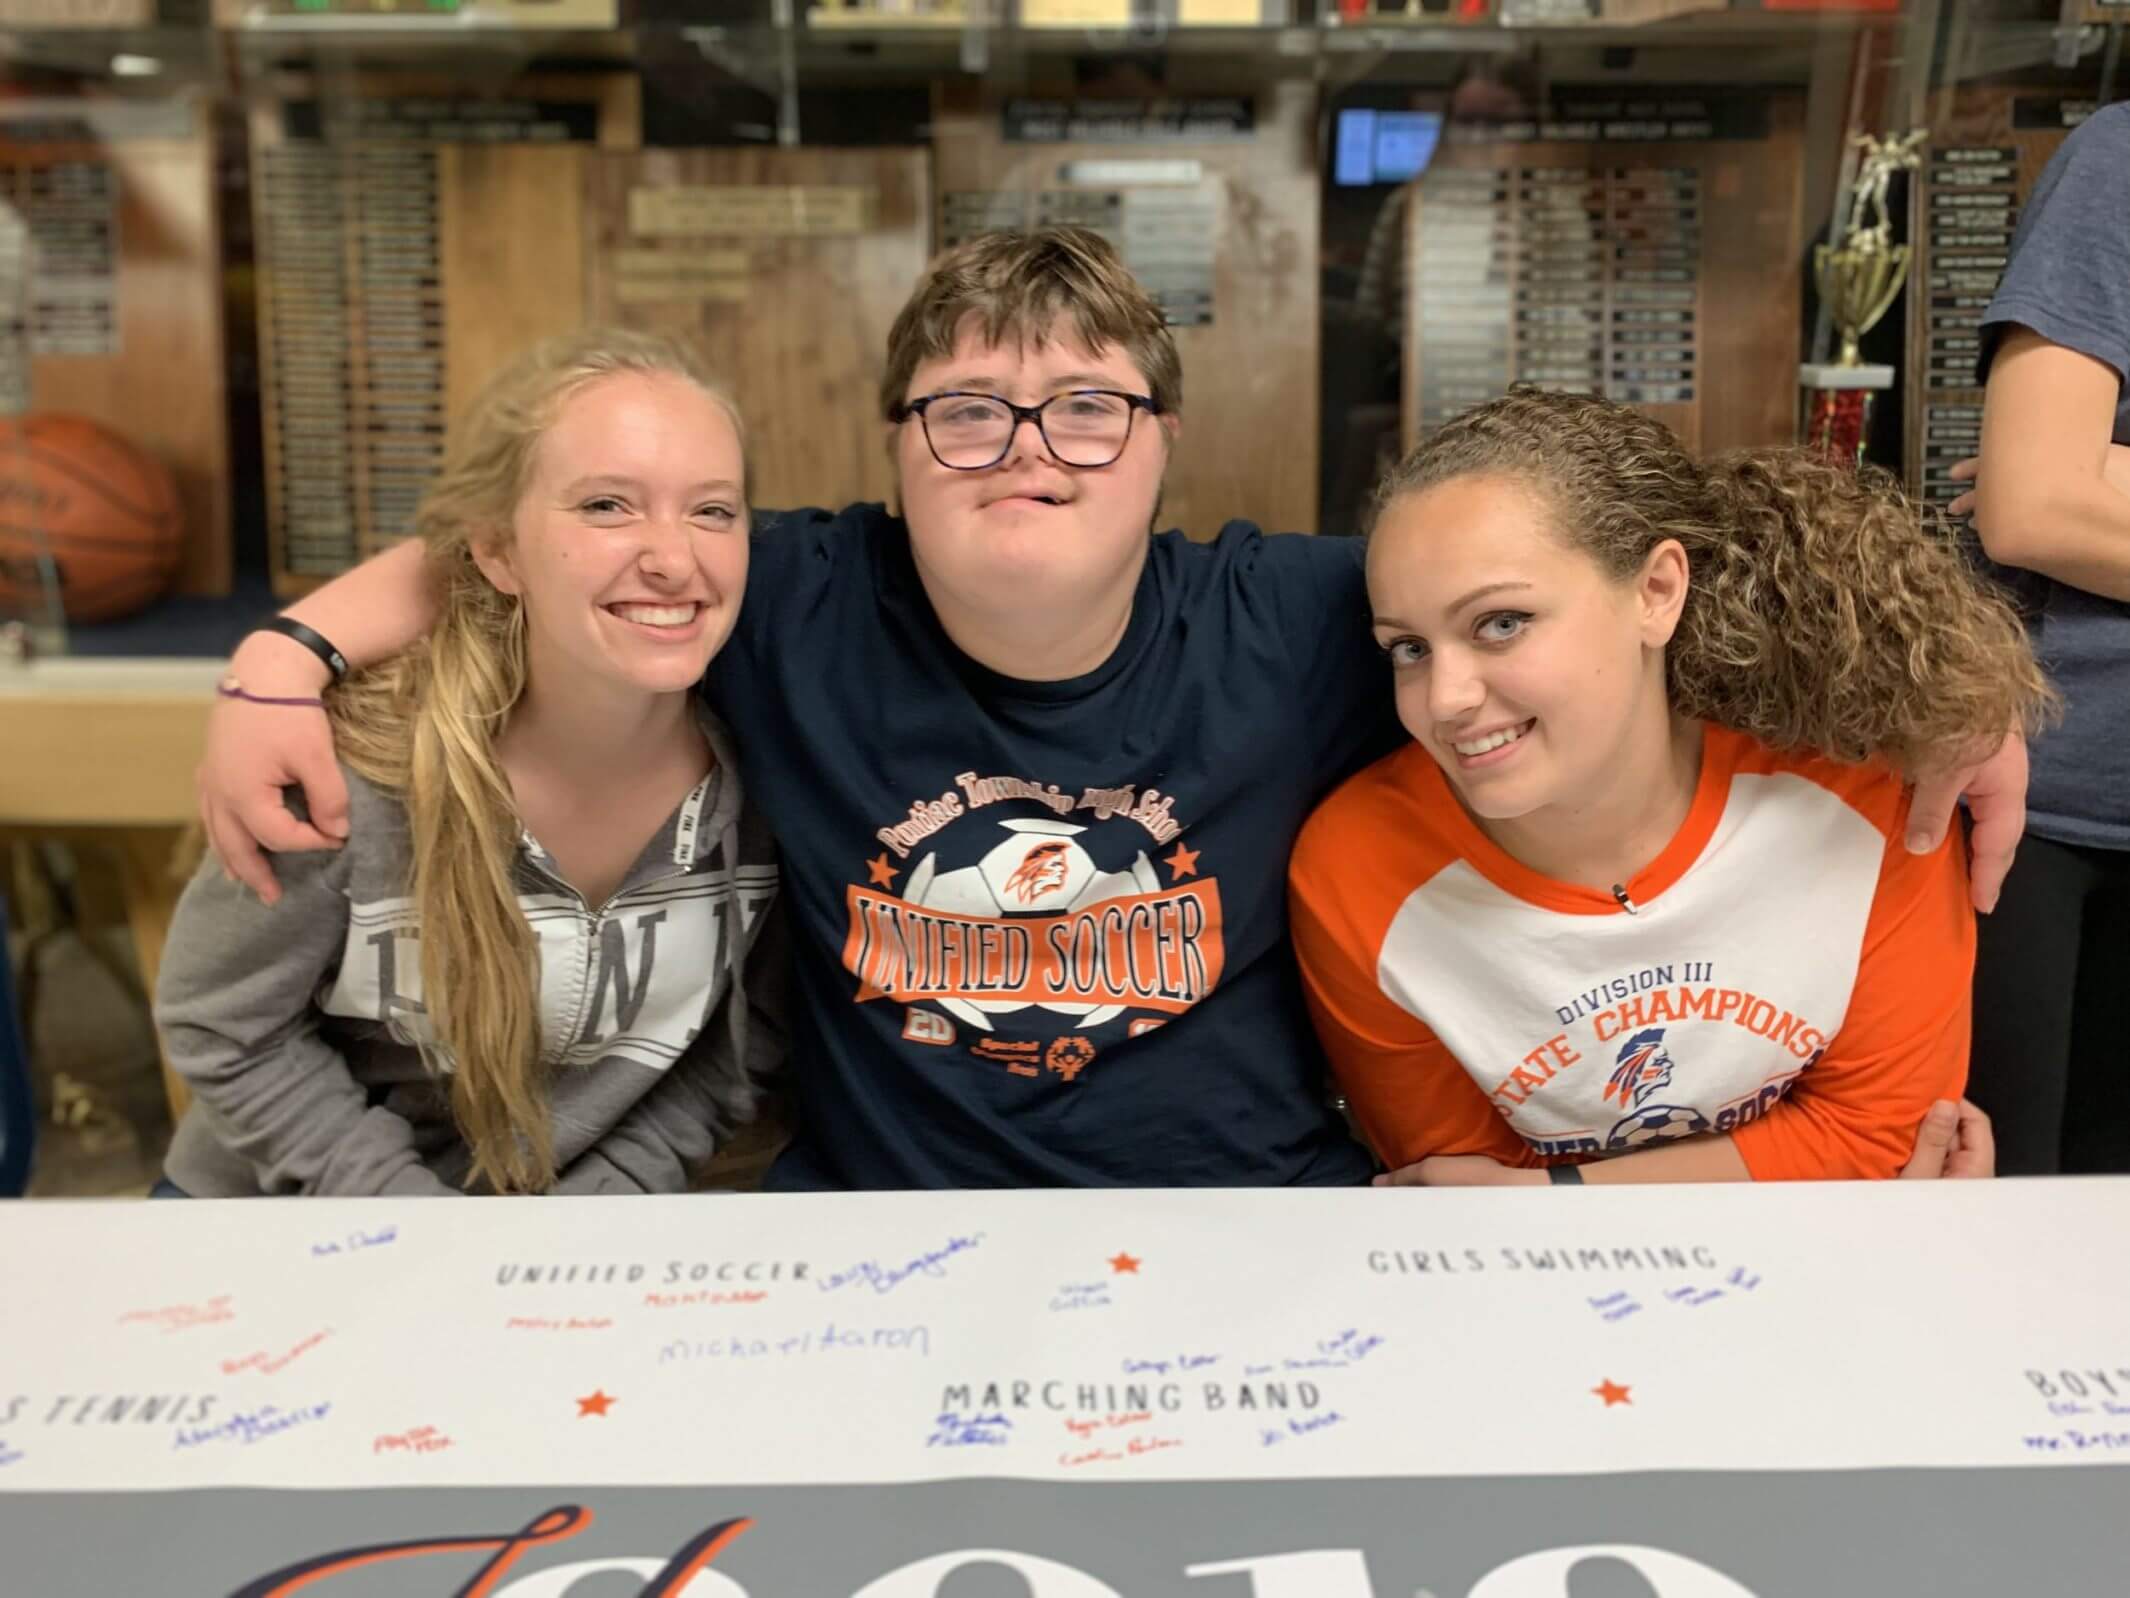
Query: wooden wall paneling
[[1249, 441], [413, 233], [1664, 273], [514, 243], [130, 273], [1988, 145], [788, 289]]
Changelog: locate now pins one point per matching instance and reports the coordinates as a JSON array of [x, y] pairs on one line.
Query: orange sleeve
[[1408, 1095], [1903, 1044]]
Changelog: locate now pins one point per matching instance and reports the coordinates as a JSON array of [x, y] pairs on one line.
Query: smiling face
[[1030, 531], [628, 547], [1529, 673]]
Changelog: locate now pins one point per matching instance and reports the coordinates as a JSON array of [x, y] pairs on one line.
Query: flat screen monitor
[[1384, 146]]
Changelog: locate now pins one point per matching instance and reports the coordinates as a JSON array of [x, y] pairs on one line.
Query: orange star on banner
[[1612, 1392], [1123, 1265], [882, 873], [598, 1404], [1184, 862]]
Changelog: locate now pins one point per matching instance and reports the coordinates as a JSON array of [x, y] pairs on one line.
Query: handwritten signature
[[179, 1317], [1134, 1448], [745, 1295], [1269, 1436], [355, 1242], [266, 1364], [2073, 1441], [420, 1440], [1084, 1429], [253, 1426], [1617, 1306], [9, 1456], [1082, 1295], [1161, 1367], [885, 1279], [953, 1430], [550, 1323], [831, 1339], [1349, 1347]]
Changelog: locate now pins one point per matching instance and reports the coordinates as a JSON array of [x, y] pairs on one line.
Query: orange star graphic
[[1612, 1392], [883, 874], [598, 1404], [1123, 1265], [1184, 862]]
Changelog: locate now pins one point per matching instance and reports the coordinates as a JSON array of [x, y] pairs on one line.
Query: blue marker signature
[[355, 1242], [1270, 1435], [8, 1455], [1082, 1295], [953, 1430], [1615, 1306], [1161, 1367], [253, 1426], [1336, 1353], [885, 1279]]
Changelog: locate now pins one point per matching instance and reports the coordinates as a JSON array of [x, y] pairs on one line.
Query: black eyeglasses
[[1081, 427]]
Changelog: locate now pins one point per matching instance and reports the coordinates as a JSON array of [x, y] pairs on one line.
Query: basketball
[[106, 513]]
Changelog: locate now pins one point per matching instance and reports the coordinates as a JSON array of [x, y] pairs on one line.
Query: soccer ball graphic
[[1656, 1123], [1040, 869]]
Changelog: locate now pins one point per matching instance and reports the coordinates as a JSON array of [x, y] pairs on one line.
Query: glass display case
[[262, 250]]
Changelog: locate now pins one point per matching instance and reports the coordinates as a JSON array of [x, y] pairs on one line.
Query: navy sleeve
[[1318, 598], [2069, 275], [783, 546]]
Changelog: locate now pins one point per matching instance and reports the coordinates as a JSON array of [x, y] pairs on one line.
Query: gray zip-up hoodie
[[297, 1024]]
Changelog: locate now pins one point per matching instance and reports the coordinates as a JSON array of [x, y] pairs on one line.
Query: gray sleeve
[[707, 1095], [2069, 275], [235, 1002]]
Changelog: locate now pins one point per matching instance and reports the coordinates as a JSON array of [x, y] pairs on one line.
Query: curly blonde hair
[[1823, 611], [425, 725]]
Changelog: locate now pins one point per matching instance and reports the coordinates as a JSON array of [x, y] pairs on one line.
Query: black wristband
[[1565, 1175], [316, 642]]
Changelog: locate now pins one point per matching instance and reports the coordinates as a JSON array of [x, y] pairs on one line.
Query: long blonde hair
[[425, 726], [1823, 611]]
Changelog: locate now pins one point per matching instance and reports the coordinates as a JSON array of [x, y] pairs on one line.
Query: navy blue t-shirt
[[2069, 280], [1041, 928]]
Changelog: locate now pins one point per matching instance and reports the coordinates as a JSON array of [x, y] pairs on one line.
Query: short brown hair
[[1021, 285], [1825, 610]]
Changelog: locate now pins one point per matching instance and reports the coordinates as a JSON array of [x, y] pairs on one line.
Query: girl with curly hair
[[1637, 898]]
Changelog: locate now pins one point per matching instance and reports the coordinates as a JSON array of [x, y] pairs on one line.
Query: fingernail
[[1381, 1181], [1919, 843]]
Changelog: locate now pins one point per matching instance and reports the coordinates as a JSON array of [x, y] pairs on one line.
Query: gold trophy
[[1859, 278]]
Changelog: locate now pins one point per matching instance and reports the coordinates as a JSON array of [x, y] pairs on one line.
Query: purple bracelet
[[231, 690]]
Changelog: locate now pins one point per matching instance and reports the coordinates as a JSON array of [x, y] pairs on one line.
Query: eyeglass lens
[[969, 430]]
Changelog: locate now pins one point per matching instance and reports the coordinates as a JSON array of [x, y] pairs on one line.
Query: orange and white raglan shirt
[[1789, 974]]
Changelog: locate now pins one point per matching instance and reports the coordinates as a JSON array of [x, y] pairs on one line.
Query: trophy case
[[411, 235], [1646, 252], [278, 244]]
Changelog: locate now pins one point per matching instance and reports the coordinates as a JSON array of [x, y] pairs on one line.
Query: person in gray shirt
[[2052, 502], [544, 960]]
